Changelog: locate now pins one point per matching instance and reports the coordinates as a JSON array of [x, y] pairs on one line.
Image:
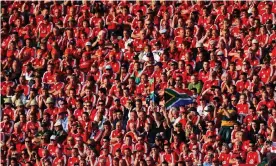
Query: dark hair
[[102, 90]]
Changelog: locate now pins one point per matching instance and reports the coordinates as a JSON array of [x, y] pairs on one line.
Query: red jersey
[[269, 103], [210, 83], [170, 157], [72, 161], [32, 125], [242, 108], [224, 158], [139, 44], [266, 73], [249, 118], [57, 159], [241, 85], [49, 77], [44, 29], [253, 157], [203, 75]]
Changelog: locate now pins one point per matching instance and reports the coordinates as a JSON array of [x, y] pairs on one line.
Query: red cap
[[192, 136], [85, 54], [187, 159], [111, 54], [54, 51], [26, 37], [9, 53], [218, 138], [67, 51], [39, 51]]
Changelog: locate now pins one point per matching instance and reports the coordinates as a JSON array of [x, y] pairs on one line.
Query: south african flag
[[174, 98]]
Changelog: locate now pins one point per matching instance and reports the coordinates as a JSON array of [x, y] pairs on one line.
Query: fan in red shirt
[[44, 28], [266, 72], [74, 159], [253, 155]]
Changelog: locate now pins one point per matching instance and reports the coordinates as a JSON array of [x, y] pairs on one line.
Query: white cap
[[53, 137], [49, 100], [58, 123], [33, 102], [206, 108], [199, 44], [7, 100], [108, 67], [88, 44], [163, 31], [220, 53], [254, 41], [212, 42], [19, 103]]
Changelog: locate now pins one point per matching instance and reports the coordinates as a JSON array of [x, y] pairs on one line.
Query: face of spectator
[[74, 152], [141, 140], [181, 33], [188, 33], [273, 112], [119, 116], [250, 147], [18, 22], [268, 9], [205, 12], [254, 11], [189, 69], [132, 127]]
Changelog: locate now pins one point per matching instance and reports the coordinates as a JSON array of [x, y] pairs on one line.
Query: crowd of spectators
[[82, 83]]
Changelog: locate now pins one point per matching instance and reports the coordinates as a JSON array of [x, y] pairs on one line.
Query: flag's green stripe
[[176, 94], [167, 104], [151, 81], [172, 92]]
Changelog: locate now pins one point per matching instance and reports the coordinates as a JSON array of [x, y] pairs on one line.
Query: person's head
[[251, 147], [128, 140], [13, 161], [74, 152], [102, 92], [178, 80], [167, 148]]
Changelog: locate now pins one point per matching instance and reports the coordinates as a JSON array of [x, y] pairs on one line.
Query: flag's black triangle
[[168, 96]]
